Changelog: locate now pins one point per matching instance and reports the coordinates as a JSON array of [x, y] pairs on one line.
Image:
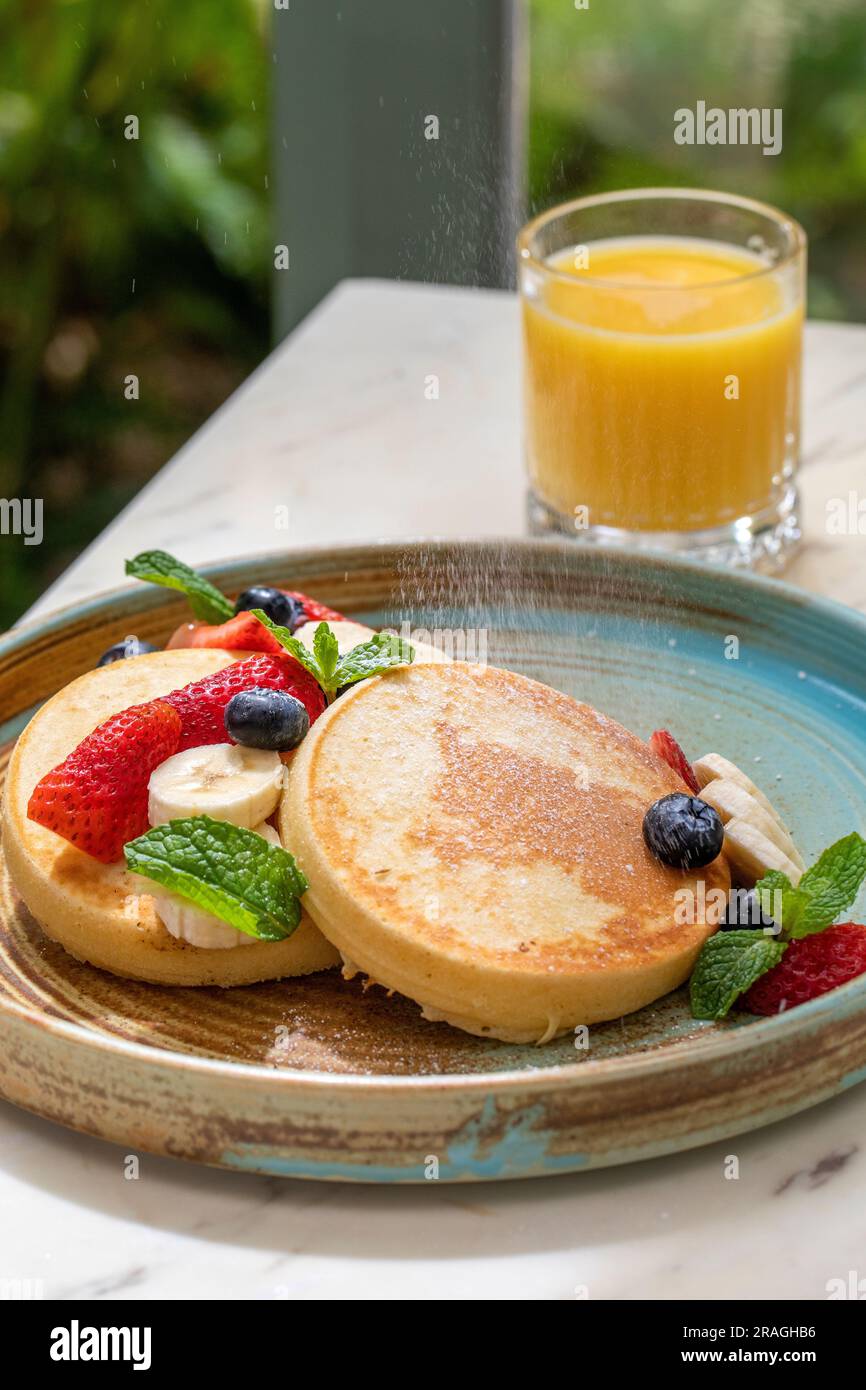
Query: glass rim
[[529, 230]]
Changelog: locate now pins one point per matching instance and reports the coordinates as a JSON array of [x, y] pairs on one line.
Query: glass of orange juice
[[662, 343]]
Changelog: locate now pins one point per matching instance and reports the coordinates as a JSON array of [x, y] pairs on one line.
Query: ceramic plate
[[315, 1078]]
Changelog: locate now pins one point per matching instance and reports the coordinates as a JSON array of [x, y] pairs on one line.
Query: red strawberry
[[201, 704], [243, 633], [97, 797], [665, 746], [810, 966], [315, 612]]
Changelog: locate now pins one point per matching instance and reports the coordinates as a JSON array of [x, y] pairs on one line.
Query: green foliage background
[[152, 256], [605, 83], [121, 256]]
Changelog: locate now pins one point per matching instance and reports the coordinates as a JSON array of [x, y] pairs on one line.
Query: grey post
[[398, 143]]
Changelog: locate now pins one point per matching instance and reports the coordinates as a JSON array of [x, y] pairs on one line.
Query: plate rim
[[728, 1043], [763, 583]]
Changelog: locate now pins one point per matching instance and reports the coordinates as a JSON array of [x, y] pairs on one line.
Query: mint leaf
[[326, 651], [379, 653], [844, 862], [292, 644], [729, 963], [158, 567], [830, 886], [233, 873], [816, 908], [823, 893]]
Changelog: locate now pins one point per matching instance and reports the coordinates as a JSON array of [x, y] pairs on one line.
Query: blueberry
[[130, 646], [744, 911], [272, 719], [280, 608], [683, 831]]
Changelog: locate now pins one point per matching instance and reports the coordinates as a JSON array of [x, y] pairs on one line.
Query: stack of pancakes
[[472, 839]]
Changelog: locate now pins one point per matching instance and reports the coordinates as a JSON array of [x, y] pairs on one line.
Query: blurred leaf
[[181, 214], [605, 82]]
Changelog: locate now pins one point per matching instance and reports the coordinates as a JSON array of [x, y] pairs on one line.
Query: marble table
[[341, 436]]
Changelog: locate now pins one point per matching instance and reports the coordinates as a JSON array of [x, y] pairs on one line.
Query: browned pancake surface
[[476, 820]]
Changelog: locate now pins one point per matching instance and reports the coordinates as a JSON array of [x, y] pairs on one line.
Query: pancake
[[473, 840], [101, 913]]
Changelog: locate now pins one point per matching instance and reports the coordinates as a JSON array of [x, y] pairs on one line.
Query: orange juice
[[662, 383]]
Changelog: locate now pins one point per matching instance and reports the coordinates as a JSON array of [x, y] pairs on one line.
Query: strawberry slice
[[97, 797], [201, 704], [243, 633], [315, 612], [665, 746]]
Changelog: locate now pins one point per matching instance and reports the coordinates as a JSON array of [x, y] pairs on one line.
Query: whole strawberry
[[201, 704], [810, 966], [97, 797]]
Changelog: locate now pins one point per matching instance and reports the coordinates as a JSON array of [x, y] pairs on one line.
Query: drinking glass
[[662, 337]]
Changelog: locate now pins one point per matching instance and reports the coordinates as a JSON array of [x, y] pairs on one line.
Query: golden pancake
[[474, 840], [102, 913]]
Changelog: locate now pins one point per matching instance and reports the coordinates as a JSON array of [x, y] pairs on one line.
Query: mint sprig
[[226, 870], [825, 891], [379, 653], [731, 961], [158, 567]]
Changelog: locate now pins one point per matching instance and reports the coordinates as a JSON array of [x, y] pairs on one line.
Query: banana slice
[[733, 802], [189, 923], [753, 854], [756, 837], [712, 766], [348, 634], [222, 780]]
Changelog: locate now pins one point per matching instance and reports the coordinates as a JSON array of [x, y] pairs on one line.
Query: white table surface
[[336, 427]]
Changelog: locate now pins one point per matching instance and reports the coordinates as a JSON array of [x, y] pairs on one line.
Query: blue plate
[[766, 675]]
